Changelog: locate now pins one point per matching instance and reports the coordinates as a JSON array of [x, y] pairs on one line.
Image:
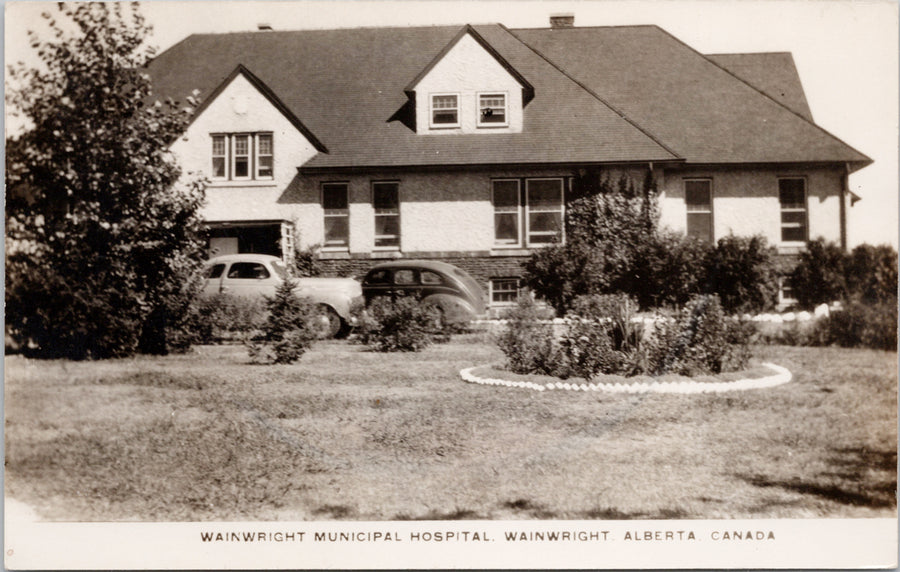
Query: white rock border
[[781, 376]]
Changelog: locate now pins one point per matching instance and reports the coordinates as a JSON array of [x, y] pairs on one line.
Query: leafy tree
[[872, 273], [103, 231], [741, 271]]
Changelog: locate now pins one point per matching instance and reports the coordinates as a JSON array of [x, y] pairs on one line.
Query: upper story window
[[386, 200], [445, 110], [792, 197], [492, 109], [698, 200], [335, 204], [242, 156]]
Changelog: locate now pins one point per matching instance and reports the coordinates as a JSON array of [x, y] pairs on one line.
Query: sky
[[846, 52]]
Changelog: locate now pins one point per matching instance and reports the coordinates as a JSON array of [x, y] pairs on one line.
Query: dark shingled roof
[[773, 73], [699, 109], [601, 95]]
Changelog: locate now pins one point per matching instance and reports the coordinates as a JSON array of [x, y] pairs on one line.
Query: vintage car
[[456, 295], [256, 275]]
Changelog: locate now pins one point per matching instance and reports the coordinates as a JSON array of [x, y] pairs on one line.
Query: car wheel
[[437, 319], [326, 322]]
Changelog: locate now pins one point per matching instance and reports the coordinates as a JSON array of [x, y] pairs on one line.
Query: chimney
[[560, 21], [263, 27]]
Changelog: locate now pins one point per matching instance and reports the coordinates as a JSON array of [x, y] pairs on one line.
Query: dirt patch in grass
[[347, 434]]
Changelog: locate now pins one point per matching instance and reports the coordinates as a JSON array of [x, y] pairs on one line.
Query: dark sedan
[[451, 290]]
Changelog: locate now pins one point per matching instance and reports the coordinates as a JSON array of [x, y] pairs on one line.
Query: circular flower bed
[[767, 375]]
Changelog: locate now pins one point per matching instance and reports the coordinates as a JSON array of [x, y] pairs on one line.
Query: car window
[[405, 277], [379, 277], [215, 271], [280, 269], [430, 277], [248, 271]]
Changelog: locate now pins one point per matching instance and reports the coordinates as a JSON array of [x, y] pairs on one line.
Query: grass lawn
[[351, 434]]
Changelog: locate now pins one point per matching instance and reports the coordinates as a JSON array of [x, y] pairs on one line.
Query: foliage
[[860, 325], [103, 233], [608, 226], [527, 341], [872, 273], [400, 325], [603, 338], [675, 269], [741, 271], [288, 330], [306, 262], [698, 339], [820, 276]]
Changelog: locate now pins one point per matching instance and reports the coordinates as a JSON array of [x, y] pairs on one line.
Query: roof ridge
[[750, 53], [595, 95], [587, 27], [766, 95]]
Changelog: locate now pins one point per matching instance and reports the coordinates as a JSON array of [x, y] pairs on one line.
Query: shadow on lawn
[[851, 483]]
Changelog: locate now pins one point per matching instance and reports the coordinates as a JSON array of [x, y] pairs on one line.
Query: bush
[[401, 325], [288, 330], [603, 338], [820, 275], [741, 271], [212, 319], [306, 262], [698, 339], [860, 325], [674, 272], [872, 273], [527, 343]]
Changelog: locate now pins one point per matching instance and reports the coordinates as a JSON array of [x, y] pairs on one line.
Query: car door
[[249, 279], [377, 284], [406, 282]]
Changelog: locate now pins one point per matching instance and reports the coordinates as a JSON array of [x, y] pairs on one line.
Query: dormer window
[[242, 156], [445, 110], [492, 110]]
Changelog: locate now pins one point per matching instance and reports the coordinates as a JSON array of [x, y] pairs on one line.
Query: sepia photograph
[[451, 284]]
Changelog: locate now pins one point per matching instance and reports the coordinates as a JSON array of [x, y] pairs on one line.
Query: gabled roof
[[704, 112], [772, 73], [348, 86], [528, 89], [601, 95], [268, 94]]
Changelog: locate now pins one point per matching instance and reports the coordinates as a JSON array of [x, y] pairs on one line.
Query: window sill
[[214, 184], [494, 126]]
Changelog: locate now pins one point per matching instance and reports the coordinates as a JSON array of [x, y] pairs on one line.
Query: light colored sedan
[[257, 275]]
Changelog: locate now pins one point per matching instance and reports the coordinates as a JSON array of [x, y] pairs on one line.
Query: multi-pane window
[[219, 157], [698, 199], [792, 196], [504, 290], [242, 156], [386, 200], [240, 165], [335, 203], [788, 296], [264, 156], [505, 195], [445, 110], [544, 206], [492, 109]]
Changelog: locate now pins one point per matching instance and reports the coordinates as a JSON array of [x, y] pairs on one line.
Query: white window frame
[[494, 290], [224, 156], [518, 212], [432, 109], [259, 155], [234, 156], [336, 213], [783, 299], [489, 124], [529, 211], [805, 210], [377, 214], [253, 156], [712, 221]]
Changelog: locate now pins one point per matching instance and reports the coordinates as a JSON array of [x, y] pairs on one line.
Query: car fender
[[455, 309], [337, 302]]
